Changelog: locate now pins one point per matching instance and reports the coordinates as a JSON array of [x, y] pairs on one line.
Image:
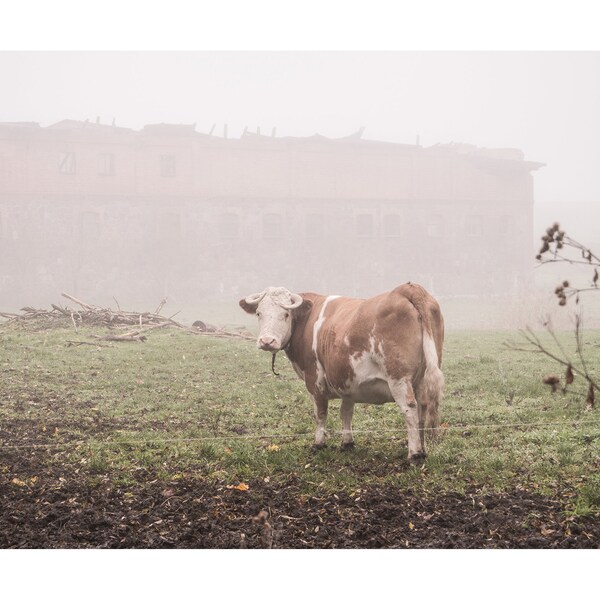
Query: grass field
[[197, 407]]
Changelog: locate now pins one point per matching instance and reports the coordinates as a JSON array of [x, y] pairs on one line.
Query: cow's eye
[[257, 314], [286, 316]]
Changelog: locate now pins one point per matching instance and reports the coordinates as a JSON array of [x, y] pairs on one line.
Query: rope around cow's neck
[[275, 354], [273, 364]]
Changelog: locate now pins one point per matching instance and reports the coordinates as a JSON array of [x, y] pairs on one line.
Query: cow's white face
[[273, 307]]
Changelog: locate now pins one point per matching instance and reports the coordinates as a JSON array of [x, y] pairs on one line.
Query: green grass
[[187, 406]]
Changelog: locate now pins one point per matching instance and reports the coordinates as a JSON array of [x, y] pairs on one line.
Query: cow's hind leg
[[422, 403], [404, 396], [427, 408], [346, 412], [321, 406]]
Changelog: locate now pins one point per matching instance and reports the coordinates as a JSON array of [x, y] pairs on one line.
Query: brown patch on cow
[[402, 338], [303, 310], [344, 334], [299, 349], [429, 311], [393, 319], [349, 323]]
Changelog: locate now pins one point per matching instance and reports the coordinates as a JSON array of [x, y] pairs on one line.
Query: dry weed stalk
[[555, 244]]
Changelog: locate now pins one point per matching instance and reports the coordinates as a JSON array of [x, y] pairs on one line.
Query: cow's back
[[384, 331]]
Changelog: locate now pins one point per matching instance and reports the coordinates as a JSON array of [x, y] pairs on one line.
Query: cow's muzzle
[[268, 343]]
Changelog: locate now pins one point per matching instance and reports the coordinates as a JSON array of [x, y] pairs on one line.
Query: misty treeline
[[558, 247]]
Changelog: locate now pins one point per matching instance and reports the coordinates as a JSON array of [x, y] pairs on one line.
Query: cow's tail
[[431, 388], [433, 382]]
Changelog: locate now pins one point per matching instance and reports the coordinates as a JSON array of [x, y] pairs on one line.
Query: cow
[[383, 349]]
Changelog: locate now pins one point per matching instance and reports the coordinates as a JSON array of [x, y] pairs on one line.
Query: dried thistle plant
[[555, 245]]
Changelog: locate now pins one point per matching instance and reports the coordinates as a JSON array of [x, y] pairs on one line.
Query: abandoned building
[[105, 211]]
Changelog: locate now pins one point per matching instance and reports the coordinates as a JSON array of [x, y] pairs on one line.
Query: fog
[[336, 172]]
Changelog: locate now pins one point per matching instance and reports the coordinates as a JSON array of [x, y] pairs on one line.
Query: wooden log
[[61, 310], [119, 338], [86, 306], [81, 343]]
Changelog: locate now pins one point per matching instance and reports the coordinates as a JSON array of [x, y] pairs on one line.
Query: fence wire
[[261, 436]]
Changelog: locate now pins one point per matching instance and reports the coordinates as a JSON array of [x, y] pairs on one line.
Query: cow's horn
[[296, 301], [253, 299]]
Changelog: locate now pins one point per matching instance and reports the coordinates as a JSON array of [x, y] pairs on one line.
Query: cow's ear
[[249, 308], [303, 309]]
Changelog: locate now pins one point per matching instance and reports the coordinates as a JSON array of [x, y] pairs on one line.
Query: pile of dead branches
[[88, 315]]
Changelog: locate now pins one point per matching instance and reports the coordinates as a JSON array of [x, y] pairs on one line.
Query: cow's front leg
[[321, 405], [346, 412], [404, 396]]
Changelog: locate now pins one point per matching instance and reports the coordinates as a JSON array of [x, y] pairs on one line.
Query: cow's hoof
[[317, 447], [347, 446], [417, 458]]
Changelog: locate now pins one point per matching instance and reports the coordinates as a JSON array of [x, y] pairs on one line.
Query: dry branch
[[159, 307], [81, 343], [83, 304], [6, 315], [122, 338]]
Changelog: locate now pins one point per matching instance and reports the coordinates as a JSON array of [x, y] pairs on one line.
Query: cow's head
[[275, 308]]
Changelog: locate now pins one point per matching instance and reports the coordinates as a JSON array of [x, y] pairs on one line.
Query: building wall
[[103, 211]]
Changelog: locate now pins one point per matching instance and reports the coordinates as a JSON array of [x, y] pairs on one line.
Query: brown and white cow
[[384, 349]]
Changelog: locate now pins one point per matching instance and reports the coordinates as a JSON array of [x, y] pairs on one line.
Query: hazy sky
[[545, 103]]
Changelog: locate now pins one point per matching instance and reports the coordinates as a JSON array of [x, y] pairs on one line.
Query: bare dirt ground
[[55, 505]]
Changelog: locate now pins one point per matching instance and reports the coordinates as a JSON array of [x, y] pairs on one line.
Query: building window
[[315, 226], [507, 226], [271, 226], [364, 225], [66, 163], [392, 225], [167, 165], [474, 226], [106, 164], [435, 227], [229, 225]]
